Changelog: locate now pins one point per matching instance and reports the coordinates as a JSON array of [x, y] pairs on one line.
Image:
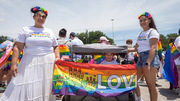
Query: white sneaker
[[140, 99], [136, 98], [140, 81]]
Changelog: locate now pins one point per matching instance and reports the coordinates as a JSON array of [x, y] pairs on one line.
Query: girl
[[148, 62]]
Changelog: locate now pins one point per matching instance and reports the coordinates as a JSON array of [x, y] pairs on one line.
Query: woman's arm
[[18, 47], [153, 48], [56, 51]]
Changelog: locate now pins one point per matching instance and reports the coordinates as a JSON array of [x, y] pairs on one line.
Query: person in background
[[4, 47], [177, 61], [32, 79], [109, 59], [130, 58], [171, 40], [161, 57], [63, 41], [148, 62], [99, 58], [104, 40], [75, 41], [3, 73]]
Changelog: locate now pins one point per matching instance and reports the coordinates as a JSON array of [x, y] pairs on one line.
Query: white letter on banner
[[118, 81], [99, 83], [126, 82], [135, 80]]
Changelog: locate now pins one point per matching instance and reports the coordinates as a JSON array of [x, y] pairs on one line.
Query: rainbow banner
[[73, 78]]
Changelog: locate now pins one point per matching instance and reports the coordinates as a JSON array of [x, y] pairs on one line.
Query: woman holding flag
[[148, 61], [32, 80]]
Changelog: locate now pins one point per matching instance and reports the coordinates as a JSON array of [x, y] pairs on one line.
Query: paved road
[[164, 94]]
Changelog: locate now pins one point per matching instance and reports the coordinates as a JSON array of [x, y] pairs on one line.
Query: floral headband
[[145, 14], [40, 9]]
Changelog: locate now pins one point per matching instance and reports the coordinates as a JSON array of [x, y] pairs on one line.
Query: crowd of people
[[32, 77]]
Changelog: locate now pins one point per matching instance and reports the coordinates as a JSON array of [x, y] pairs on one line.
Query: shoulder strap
[[149, 33], [65, 42]]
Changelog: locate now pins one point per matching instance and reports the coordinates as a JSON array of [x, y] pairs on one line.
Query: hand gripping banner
[[73, 78]]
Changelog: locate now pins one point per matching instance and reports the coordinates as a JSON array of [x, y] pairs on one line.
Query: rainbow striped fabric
[[170, 70], [5, 56], [175, 53], [7, 65], [160, 50], [73, 78], [97, 59], [63, 49]]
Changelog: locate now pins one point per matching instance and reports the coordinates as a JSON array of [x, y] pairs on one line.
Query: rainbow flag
[[170, 70], [5, 56], [73, 78], [97, 59], [160, 50], [175, 53], [7, 65], [63, 49], [136, 55]]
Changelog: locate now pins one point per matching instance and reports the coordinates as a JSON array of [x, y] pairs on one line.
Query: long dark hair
[[152, 24]]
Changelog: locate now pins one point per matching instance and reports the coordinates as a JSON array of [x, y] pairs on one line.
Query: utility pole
[[113, 28]]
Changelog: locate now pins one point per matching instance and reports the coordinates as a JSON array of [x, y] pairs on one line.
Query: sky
[[92, 15]]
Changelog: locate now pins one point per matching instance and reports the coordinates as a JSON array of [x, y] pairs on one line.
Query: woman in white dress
[[32, 79]]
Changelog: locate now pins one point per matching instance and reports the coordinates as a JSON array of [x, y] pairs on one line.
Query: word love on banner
[[73, 78]]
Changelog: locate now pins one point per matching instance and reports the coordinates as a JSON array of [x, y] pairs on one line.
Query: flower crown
[[40, 9], [145, 14]]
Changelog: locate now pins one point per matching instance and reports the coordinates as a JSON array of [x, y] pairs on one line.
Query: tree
[[2, 38], [92, 37], [164, 39], [172, 35]]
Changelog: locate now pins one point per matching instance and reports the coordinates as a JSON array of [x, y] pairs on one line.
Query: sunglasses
[[39, 16]]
